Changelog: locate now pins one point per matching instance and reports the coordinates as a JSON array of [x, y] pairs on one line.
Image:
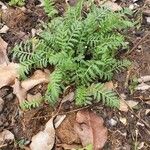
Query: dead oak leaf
[[112, 6], [3, 53], [8, 73], [45, 140], [19, 91], [90, 129], [37, 78]]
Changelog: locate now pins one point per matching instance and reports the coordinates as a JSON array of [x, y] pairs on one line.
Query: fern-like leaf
[[108, 97], [49, 8], [54, 87]]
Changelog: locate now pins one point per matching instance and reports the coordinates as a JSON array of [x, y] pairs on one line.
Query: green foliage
[[29, 105], [88, 147], [49, 8], [17, 2], [133, 84], [82, 49], [54, 88]]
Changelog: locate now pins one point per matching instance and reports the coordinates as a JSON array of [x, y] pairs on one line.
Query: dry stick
[[138, 43], [63, 113], [4, 145]]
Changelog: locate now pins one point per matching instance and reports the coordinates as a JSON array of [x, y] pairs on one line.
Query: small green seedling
[[17, 2]]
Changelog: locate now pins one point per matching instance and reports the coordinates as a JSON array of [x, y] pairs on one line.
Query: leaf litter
[[90, 128]]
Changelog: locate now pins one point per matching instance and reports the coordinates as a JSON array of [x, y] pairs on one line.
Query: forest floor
[[128, 128]]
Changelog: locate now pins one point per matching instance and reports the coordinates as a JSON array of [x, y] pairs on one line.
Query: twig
[[3, 145], [68, 112], [138, 43]]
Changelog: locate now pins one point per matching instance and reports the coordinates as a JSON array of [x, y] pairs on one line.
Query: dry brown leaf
[[4, 29], [6, 136], [19, 91], [90, 129], [112, 6], [35, 97], [123, 106], [8, 73], [142, 87], [144, 79], [3, 53], [109, 85], [37, 78], [65, 132], [44, 140], [58, 120], [68, 97], [132, 103]]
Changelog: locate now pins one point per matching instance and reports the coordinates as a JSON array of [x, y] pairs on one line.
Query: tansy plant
[[81, 47]]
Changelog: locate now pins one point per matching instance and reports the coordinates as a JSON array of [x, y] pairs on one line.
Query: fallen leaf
[[144, 79], [4, 29], [8, 73], [58, 120], [37, 78], [3, 6], [35, 97], [112, 6], [3, 53], [44, 140], [65, 132], [147, 111], [90, 129], [147, 102], [5, 136], [109, 85], [68, 97], [19, 91], [132, 103], [123, 105], [142, 87]]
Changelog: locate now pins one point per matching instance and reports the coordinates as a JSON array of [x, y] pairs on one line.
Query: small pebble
[[148, 20], [140, 124], [112, 122], [131, 7], [134, 1]]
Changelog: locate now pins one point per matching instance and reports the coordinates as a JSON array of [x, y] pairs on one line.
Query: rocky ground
[[128, 128]]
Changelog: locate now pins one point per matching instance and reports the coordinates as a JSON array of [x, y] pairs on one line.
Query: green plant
[[30, 104], [133, 84], [82, 48], [17, 2], [88, 147]]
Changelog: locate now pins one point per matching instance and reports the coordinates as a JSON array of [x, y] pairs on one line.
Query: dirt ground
[[127, 130]]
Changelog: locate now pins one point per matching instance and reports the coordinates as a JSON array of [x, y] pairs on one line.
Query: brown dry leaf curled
[[112, 6], [5, 136], [37, 78], [8, 73], [19, 91], [90, 129], [44, 140], [3, 53]]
